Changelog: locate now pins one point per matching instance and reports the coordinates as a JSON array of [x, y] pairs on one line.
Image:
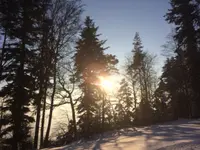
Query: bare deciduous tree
[[65, 17], [67, 88]]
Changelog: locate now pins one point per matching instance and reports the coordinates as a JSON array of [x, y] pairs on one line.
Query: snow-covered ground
[[178, 135]]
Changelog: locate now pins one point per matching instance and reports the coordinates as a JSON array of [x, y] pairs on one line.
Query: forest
[[51, 57]]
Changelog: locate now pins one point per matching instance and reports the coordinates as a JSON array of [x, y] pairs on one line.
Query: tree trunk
[[140, 83], [37, 124], [1, 116], [39, 100], [145, 84], [51, 106], [17, 113], [1, 69], [73, 116], [135, 99], [43, 120], [2, 53], [18, 102], [103, 113]]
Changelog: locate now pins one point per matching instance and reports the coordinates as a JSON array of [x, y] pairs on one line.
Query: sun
[[105, 83]]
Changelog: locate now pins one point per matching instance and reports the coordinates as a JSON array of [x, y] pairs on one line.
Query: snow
[[177, 135]]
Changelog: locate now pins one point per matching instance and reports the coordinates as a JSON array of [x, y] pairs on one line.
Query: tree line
[[50, 58]]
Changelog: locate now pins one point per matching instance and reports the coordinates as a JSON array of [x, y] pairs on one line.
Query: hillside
[[181, 134]]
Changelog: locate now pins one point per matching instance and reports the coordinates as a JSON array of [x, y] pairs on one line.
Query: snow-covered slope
[[178, 135]]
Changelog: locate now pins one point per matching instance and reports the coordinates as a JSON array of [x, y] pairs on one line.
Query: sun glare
[[106, 83]]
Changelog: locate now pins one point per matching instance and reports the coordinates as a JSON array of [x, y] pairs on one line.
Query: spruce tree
[[161, 110], [90, 63], [175, 82], [125, 104], [21, 22], [143, 69], [137, 63], [185, 16]]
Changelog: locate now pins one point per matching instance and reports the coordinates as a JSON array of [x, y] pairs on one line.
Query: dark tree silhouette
[[124, 105], [19, 24], [90, 63], [185, 15], [43, 70], [141, 69], [65, 16]]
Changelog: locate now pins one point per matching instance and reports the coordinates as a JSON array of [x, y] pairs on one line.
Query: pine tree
[[143, 68], [109, 123], [20, 21], [90, 63], [138, 59], [175, 82], [185, 15], [160, 106], [125, 104], [138, 51]]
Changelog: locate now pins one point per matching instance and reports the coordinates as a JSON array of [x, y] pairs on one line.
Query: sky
[[118, 20]]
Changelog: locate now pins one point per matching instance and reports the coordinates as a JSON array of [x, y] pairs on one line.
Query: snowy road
[[182, 134]]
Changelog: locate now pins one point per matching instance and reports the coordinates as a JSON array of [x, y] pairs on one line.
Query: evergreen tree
[[175, 87], [142, 70], [109, 123], [20, 20], [138, 63], [138, 52], [90, 63], [161, 110], [185, 15], [125, 104]]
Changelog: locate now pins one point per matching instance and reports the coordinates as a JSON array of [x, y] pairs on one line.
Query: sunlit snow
[[177, 135]]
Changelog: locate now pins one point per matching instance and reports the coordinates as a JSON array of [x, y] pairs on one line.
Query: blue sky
[[118, 20]]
